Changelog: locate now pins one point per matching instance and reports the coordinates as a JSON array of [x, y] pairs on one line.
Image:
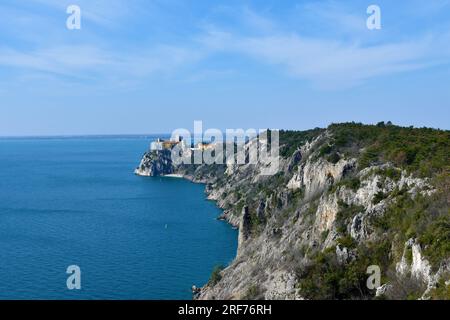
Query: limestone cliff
[[312, 230], [155, 163]]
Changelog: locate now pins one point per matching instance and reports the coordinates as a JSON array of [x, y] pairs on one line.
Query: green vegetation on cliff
[[327, 239], [290, 141], [423, 151]]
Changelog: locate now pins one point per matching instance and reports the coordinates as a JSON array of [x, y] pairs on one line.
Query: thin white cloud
[[90, 57], [325, 63], [336, 63], [84, 62], [333, 16], [257, 21], [64, 60]]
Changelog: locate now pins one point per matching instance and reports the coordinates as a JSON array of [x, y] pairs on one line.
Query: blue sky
[[142, 66]]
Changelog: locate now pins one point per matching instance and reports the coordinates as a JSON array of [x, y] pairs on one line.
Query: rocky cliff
[[344, 199], [155, 163]]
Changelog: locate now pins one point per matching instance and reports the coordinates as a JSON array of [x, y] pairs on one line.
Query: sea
[[70, 202]]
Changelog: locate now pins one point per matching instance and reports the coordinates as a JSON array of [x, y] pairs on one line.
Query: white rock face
[[143, 169], [282, 287], [326, 213], [268, 251], [144, 172], [231, 169], [359, 227], [367, 191], [255, 162], [317, 176], [415, 185], [270, 257], [371, 185], [420, 268], [403, 267], [342, 254], [383, 289]]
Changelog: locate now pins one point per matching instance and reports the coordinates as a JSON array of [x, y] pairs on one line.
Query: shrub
[[325, 279], [436, 240], [423, 151], [354, 183], [424, 218], [380, 196], [326, 149], [404, 287], [291, 141], [216, 275], [345, 214], [441, 292], [253, 292], [393, 174], [333, 158], [347, 242]]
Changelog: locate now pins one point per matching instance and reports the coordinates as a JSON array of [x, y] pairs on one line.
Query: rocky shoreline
[[154, 164], [318, 205]]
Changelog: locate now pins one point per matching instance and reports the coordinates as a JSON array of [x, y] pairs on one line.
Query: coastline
[[283, 217], [226, 216], [174, 176]]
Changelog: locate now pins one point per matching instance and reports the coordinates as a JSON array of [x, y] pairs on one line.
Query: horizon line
[[99, 135], [89, 135]]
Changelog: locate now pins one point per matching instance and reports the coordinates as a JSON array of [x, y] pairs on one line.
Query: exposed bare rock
[[317, 176], [413, 264], [244, 227], [326, 213], [155, 163], [311, 207]]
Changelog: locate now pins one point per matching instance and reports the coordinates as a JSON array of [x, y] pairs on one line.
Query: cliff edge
[[346, 199]]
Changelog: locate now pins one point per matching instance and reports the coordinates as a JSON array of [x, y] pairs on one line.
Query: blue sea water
[[76, 201]]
